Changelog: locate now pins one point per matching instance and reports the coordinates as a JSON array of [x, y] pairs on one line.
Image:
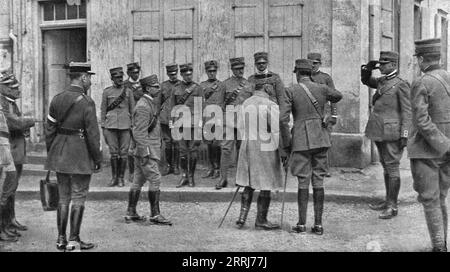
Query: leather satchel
[[49, 194]]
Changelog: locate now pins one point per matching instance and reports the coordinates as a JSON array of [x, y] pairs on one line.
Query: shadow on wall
[[5, 59]]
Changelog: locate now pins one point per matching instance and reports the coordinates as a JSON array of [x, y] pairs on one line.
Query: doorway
[[60, 47]]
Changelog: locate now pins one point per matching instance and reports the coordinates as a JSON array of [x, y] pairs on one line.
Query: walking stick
[[284, 192], [229, 206]]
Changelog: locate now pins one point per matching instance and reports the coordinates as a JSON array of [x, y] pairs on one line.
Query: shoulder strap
[[118, 100], [312, 99], [442, 81], [66, 114]]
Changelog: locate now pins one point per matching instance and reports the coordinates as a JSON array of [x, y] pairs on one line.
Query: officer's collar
[[148, 97], [306, 78], [316, 72], [212, 80], [392, 75], [76, 88], [432, 68], [132, 81], [265, 72], [188, 83]]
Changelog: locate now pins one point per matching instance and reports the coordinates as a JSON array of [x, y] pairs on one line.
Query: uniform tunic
[[214, 94]]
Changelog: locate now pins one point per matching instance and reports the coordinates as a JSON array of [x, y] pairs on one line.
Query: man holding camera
[[388, 124]]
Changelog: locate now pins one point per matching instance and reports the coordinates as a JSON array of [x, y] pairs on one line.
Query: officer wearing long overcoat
[[214, 94], [310, 140], [18, 126], [73, 151], [132, 83], [188, 94], [389, 124], [237, 89], [259, 166], [147, 135], [429, 141], [171, 148], [116, 113]]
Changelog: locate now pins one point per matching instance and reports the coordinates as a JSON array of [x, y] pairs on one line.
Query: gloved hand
[[372, 65], [145, 160], [332, 121], [285, 154], [403, 142], [97, 168]]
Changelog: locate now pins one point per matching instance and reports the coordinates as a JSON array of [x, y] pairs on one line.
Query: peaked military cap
[[428, 47], [237, 62], [118, 71], [79, 67], [186, 68], [151, 81], [133, 67], [261, 56], [315, 57], [172, 68], [211, 64], [303, 64], [388, 56]]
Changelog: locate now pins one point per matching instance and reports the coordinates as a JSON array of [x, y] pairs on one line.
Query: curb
[[211, 195]]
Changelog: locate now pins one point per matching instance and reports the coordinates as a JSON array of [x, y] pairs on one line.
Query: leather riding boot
[[302, 201], [261, 216], [184, 168], [435, 226], [130, 168], [223, 182], [5, 236], [114, 167], [192, 166], [75, 243], [11, 204], [133, 199], [7, 216], [217, 162], [444, 217], [176, 160], [121, 172], [246, 201], [62, 217], [392, 207], [211, 158], [168, 166], [156, 217], [381, 206], [318, 198]]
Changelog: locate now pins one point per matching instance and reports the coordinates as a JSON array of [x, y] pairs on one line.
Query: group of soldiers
[[137, 116]]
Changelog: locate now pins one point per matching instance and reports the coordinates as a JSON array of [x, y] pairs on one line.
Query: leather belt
[[15, 134], [68, 131], [4, 134]]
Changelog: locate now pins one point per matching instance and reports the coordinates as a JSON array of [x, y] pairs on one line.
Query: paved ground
[[349, 227]]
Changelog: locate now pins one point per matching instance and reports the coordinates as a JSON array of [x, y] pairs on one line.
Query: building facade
[[37, 37]]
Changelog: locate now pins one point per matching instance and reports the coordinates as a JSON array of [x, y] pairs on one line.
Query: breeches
[[118, 142], [148, 172], [310, 167], [390, 156], [73, 187]]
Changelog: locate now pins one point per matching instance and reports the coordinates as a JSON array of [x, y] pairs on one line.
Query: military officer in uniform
[[214, 92], [8, 183], [320, 77], [259, 166], [309, 142], [19, 126], [388, 124], [132, 83], [171, 149], [186, 93], [237, 89], [146, 131], [429, 141], [73, 151], [116, 111]]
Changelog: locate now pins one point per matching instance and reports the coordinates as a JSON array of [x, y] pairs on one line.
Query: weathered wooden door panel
[[60, 48], [285, 36], [248, 30]]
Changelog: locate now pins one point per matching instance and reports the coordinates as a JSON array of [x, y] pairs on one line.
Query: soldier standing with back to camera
[[171, 148], [116, 111], [147, 135], [320, 77], [132, 83], [72, 138], [309, 142], [186, 93], [388, 124], [429, 142], [214, 94], [18, 126], [235, 87]]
